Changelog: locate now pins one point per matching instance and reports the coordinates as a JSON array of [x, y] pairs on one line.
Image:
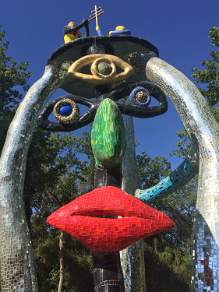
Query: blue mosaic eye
[[66, 111], [140, 95]]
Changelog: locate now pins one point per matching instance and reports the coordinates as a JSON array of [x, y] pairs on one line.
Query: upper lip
[[79, 219]]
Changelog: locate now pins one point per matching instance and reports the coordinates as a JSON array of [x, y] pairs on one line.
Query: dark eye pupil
[[141, 96], [65, 110], [104, 68]]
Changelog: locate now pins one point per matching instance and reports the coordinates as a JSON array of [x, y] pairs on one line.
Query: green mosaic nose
[[107, 135]]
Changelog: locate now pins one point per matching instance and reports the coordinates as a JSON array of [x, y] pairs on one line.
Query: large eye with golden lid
[[104, 68]]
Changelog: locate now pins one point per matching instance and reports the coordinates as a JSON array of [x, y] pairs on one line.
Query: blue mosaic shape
[[65, 110], [181, 175]]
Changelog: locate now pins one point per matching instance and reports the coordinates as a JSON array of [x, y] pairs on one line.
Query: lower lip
[[109, 235]]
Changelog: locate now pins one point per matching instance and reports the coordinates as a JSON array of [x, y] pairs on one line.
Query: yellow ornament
[[117, 28], [120, 27]]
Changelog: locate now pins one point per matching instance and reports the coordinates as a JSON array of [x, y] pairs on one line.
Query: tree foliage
[[208, 76], [12, 76], [13, 81]]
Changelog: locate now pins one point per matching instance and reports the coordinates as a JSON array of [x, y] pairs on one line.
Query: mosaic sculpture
[[114, 76]]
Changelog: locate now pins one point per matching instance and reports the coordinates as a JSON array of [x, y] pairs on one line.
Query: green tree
[[13, 82], [207, 77], [151, 170]]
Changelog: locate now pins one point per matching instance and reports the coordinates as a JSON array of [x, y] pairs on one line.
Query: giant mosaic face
[[106, 75]]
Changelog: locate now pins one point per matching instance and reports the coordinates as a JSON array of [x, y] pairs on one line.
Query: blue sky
[[178, 28]]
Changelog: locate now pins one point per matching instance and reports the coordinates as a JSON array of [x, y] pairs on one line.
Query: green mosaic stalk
[[107, 135]]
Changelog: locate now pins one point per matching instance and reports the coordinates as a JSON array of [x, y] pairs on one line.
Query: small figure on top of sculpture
[[72, 30]]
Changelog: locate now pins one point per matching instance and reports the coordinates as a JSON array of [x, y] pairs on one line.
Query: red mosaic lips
[[83, 219]]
